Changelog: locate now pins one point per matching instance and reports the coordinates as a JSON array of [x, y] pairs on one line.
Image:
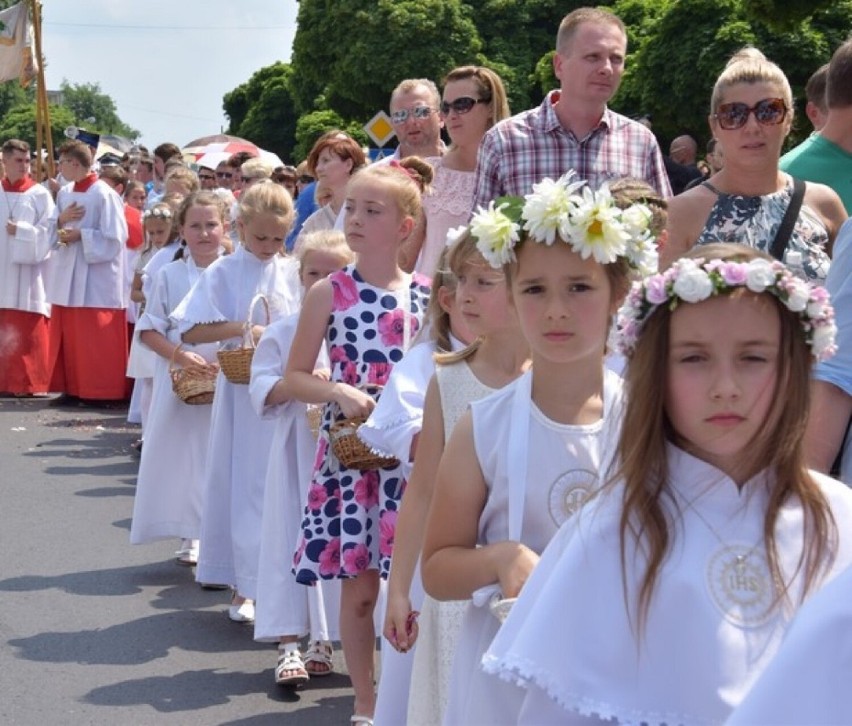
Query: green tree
[[349, 56], [313, 125], [85, 101], [262, 110], [20, 123], [684, 45]]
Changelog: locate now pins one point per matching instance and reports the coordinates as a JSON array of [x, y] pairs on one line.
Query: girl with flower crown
[[525, 459], [367, 314], [664, 599]]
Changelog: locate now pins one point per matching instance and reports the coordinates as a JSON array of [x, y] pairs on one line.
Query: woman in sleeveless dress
[[751, 115], [474, 100]]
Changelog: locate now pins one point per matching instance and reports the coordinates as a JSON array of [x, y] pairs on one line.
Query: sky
[[166, 63]]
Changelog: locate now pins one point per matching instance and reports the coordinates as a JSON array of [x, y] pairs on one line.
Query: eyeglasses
[[224, 174], [461, 105], [768, 112], [418, 112]]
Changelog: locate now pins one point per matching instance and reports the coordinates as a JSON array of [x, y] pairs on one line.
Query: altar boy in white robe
[[26, 208], [86, 283]]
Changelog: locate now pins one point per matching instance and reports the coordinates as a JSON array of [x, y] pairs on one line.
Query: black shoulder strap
[[782, 236]]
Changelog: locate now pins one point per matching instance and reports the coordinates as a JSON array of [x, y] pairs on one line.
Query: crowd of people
[[554, 413]]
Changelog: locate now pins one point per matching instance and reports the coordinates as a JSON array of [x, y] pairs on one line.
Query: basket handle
[[173, 357], [370, 389], [247, 336]]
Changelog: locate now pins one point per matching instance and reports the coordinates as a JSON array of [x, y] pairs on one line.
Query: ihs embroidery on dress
[[740, 584], [569, 493], [738, 579]]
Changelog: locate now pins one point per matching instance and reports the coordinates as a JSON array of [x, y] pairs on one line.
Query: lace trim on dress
[[523, 673], [452, 191]]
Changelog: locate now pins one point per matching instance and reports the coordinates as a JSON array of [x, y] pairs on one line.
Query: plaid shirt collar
[[549, 121]]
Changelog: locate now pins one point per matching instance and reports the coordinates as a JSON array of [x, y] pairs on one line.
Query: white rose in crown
[[692, 284], [760, 275], [822, 340], [798, 295]]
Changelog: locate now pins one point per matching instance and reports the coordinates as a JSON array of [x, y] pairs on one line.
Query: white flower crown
[[694, 280], [157, 213], [566, 209]]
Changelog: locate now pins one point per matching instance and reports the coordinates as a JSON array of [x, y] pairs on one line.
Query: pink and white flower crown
[[695, 280], [566, 209]]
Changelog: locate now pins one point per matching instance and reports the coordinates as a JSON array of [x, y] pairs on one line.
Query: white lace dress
[[440, 622]]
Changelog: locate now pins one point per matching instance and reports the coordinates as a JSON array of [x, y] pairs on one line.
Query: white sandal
[[290, 661], [364, 720], [319, 652]]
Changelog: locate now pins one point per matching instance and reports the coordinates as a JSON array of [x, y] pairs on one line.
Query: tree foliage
[[348, 56], [87, 101], [20, 123], [313, 125], [262, 110]]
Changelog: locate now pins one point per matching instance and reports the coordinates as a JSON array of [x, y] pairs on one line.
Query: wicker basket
[[314, 414], [194, 385], [236, 362], [350, 450]]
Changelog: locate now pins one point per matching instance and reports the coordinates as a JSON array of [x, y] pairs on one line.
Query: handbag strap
[[782, 236]]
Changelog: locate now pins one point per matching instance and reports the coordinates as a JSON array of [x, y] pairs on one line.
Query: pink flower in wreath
[[367, 489], [345, 291], [387, 532], [356, 559], [317, 496], [392, 326], [329, 559]]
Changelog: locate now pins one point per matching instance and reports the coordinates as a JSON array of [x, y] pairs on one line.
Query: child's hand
[[400, 628], [256, 332], [352, 402], [72, 213], [187, 359], [324, 374], [515, 564]]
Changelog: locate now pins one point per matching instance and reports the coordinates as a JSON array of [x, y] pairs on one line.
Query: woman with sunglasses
[[474, 100], [746, 201]]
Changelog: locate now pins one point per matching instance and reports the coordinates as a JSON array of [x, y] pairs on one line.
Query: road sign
[[379, 128]]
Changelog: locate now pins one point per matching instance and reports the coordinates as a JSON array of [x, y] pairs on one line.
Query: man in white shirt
[[24, 245]]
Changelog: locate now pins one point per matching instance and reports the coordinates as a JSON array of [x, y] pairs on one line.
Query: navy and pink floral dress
[[350, 516]]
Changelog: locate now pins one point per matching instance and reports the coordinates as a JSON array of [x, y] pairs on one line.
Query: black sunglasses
[[224, 174], [768, 112], [206, 177], [305, 179], [461, 105]]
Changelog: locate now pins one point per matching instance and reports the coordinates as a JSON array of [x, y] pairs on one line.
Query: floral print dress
[[350, 516], [754, 221]]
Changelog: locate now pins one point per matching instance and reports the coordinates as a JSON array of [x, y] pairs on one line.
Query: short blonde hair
[[330, 241], [266, 197]]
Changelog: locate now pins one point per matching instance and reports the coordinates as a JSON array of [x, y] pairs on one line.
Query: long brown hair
[[646, 428]]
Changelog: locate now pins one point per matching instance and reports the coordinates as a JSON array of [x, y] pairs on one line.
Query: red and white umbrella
[[217, 150]]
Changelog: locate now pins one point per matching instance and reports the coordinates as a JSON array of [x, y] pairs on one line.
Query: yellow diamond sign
[[379, 129]]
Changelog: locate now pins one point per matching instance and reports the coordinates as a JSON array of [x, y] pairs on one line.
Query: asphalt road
[[96, 631]]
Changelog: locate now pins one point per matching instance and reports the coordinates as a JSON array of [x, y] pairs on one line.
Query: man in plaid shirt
[[573, 128]]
